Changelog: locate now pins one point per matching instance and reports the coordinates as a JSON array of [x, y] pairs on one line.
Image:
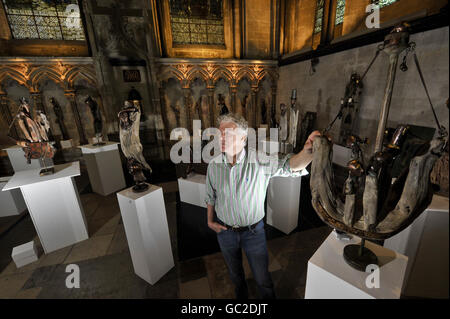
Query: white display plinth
[[54, 205], [341, 155], [19, 162], [66, 143], [145, 221], [425, 242], [330, 277], [283, 200], [24, 254], [104, 167], [193, 189], [11, 202]]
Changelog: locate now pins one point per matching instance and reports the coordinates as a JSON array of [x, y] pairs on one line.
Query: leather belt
[[238, 228]]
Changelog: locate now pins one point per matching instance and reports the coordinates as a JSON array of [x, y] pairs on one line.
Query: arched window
[[319, 16], [383, 3], [340, 10], [197, 22], [44, 19]]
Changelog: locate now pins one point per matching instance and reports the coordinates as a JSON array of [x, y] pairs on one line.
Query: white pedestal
[[145, 221], [341, 155], [54, 205], [24, 254], [425, 242], [283, 200], [271, 147], [330, 277], [19, 162], [11, 202], [66, 143], [104, 167], [193, 189]]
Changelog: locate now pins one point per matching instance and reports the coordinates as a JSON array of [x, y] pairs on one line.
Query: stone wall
[[322, 91]]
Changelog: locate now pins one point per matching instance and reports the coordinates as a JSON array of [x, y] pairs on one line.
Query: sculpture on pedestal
[[36, 144], [387, 208], [98, 125], [60, 118], [129, 120]]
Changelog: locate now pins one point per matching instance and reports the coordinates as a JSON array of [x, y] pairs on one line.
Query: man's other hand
[[216, 227], [309, 142]]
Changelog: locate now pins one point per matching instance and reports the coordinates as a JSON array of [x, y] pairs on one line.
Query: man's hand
[[216, 227], [309, 142]]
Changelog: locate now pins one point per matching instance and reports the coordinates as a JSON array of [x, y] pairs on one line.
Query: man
[[236, 186]]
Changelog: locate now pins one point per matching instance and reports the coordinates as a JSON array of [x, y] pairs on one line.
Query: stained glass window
[[340, 10], [44, 19], [383, 3], [319, 16], [197, 22]]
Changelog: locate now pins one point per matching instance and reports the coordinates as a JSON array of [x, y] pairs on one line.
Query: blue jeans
[[254, 244]]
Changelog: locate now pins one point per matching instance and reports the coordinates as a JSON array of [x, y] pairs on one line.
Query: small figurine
[[98, 125]]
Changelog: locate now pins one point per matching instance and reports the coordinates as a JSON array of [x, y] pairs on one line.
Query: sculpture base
[[47, 171], [357, 261], [139, 188], [99, 144]]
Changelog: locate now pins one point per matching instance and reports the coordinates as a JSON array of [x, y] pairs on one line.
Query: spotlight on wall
[[314, 62]]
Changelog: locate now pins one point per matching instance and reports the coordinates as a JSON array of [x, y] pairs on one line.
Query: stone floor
[[106, 269]]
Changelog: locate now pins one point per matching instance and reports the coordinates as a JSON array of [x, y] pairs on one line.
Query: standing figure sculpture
[[60, 118], [223, 107], [293, 120], [36, 144], [98, 125], [283, 128], [129, 119]]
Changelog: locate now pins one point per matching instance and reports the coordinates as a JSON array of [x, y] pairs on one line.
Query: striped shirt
[[238, 192]]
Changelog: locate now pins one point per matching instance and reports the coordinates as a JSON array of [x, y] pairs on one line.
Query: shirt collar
[[240, 158]]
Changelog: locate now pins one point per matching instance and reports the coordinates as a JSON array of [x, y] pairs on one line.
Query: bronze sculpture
[[98, 125], [129, 120], [36, 144], [60, 118], [387, 208]]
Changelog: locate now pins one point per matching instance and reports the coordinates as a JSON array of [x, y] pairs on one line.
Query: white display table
[[341, 155], [19, 162], [330, 277], [11, 202], [283, 200], [145, 221], [104, 167], [54, 205], [425, 242], [193, 189], [24, 254], [66, 143]]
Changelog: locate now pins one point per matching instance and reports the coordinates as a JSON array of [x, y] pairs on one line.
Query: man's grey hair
[[235, 118]]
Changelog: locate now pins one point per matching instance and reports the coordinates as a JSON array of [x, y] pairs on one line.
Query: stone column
[[162, 93], [187, 106], [273, 105], [254, 108], [212, 119], [70, 95], [5, 113], [233, 91]]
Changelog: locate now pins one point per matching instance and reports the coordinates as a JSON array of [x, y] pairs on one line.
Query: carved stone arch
[[40, 73], [170, 72], [197, 72], [223, 73], [246, 72], [77, 72], [7, 72]]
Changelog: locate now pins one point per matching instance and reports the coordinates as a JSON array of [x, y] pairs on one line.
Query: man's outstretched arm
[[302, 159]]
